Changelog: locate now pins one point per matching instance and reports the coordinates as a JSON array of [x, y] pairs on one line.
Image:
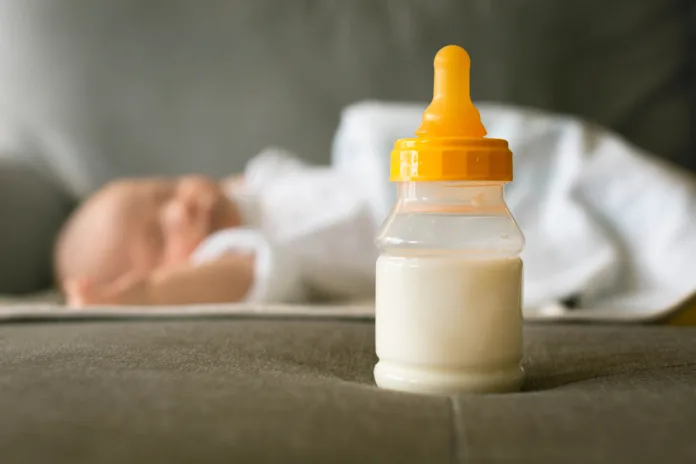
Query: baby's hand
[[125, 291]]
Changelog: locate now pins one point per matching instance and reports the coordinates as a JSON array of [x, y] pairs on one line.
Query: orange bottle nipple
[[451, 113]]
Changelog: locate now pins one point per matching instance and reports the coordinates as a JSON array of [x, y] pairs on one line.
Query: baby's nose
[[177, 214]]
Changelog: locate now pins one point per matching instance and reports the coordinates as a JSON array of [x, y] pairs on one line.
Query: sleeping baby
[[283, 232]]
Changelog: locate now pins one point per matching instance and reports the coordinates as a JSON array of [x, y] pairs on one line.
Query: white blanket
[[608, 226]]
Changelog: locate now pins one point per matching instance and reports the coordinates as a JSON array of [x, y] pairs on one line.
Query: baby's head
[[132, 227]]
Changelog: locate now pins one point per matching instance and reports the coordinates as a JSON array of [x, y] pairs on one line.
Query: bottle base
[[500, 379]]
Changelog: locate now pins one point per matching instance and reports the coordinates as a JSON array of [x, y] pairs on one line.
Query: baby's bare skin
[[131, 242]]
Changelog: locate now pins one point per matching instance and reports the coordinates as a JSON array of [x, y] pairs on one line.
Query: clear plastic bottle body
[[449, 290]]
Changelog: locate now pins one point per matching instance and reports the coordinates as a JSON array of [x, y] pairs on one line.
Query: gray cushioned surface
[[32, 208], [301, 391]]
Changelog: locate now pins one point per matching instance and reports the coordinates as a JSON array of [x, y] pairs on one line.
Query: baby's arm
[[225, 280]]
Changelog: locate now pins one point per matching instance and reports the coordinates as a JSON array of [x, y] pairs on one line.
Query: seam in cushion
[[455, 430]]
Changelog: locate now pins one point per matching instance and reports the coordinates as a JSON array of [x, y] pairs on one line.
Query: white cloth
[[605, 224], [275, 279], [310, 227]]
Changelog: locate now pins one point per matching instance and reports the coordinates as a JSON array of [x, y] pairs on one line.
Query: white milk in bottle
[[449, 276]]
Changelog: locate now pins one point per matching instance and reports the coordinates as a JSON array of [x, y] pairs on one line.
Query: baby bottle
[[449, 275]]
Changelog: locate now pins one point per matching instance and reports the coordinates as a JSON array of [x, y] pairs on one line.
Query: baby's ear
[[77, 291]]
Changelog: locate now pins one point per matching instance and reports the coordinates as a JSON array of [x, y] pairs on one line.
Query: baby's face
[[141, 225], [177, 216]]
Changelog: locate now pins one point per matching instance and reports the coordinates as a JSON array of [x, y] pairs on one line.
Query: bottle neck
[[451, 196], [447, 217]]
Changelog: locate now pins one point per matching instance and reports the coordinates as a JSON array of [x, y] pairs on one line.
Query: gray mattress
[[291, 390]]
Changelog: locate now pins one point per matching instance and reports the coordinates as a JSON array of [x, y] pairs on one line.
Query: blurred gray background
[[91, 90]]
